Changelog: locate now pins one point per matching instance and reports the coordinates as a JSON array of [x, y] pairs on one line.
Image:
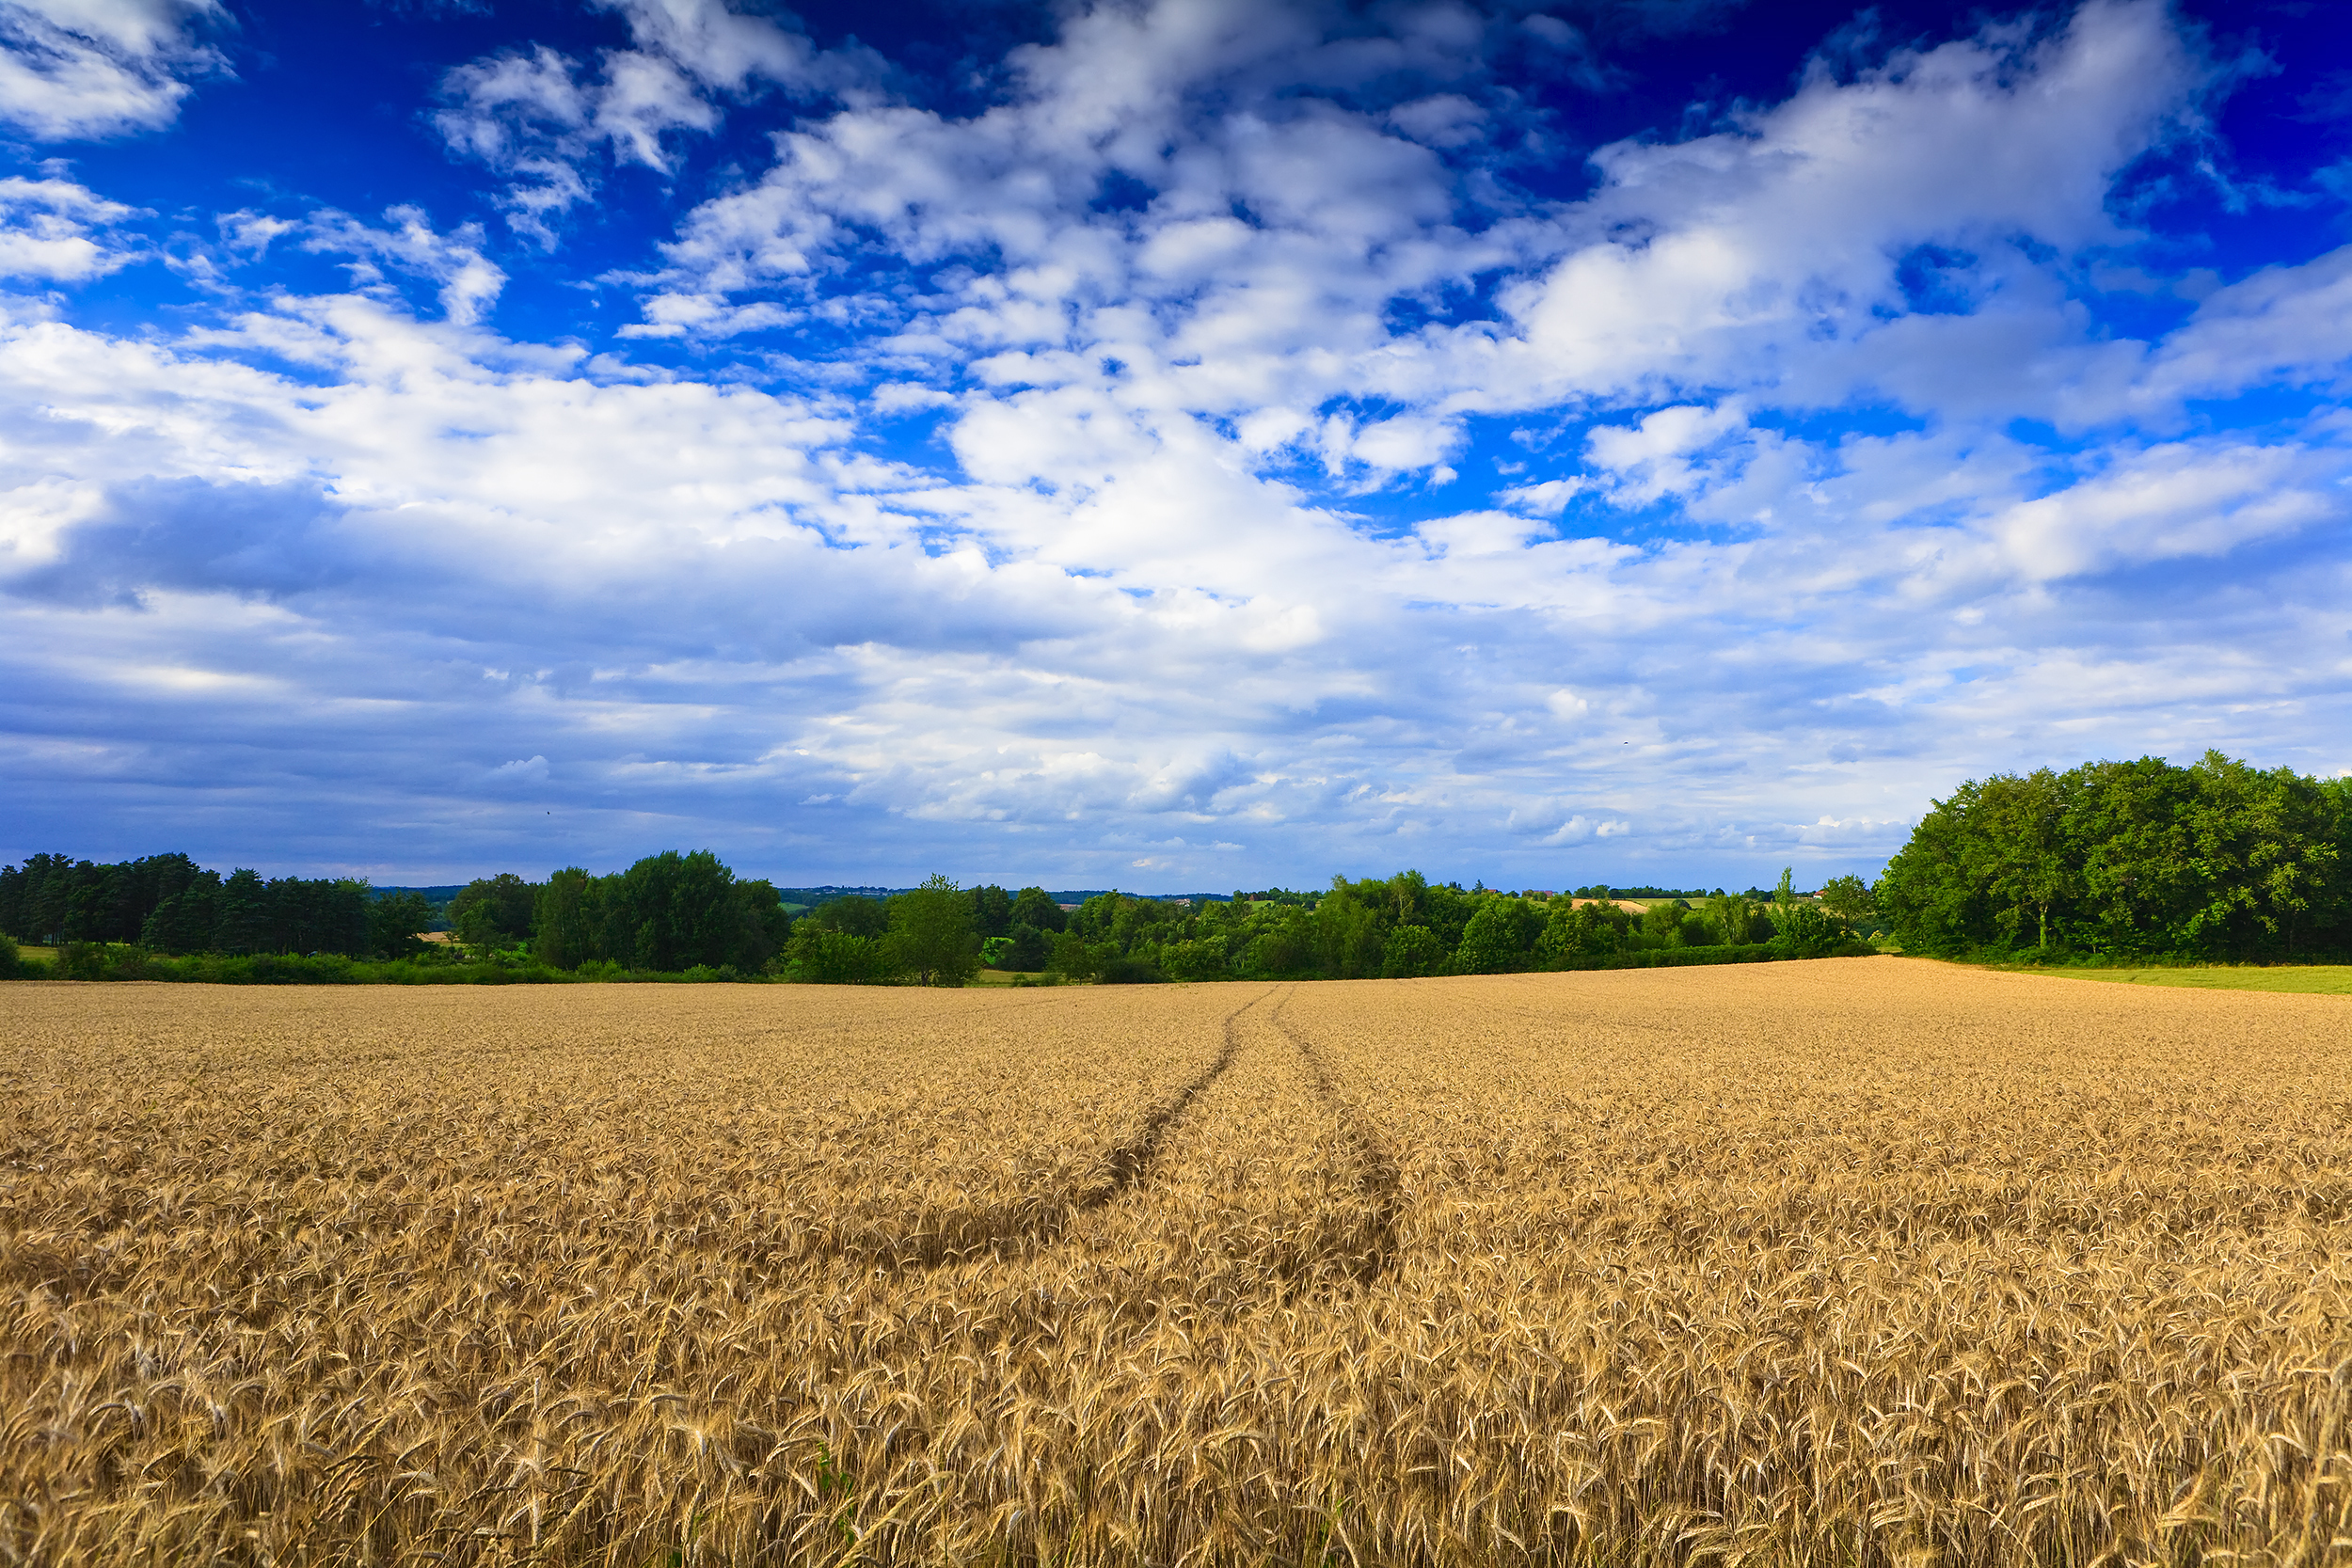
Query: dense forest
[[2130, 860], [688, 914]]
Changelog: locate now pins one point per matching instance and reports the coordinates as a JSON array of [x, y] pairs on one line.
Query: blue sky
[[1170, 446]]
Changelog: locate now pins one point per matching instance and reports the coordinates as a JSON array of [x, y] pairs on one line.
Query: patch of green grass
[[2306, 979]]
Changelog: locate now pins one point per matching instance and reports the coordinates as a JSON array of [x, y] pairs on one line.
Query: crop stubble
[[1850, 1261]]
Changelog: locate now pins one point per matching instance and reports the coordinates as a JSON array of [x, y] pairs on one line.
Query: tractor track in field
[[1379, 1182], [1040, 1222], [1130, 1159]]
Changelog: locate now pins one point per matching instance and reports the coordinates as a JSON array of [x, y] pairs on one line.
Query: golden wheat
[[1854, 1262]]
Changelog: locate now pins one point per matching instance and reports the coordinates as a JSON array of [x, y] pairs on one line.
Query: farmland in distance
[[1850, 1261]]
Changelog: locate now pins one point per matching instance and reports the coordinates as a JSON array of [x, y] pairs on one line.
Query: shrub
[[1129, 972], [1807, 932], [1410, 951]]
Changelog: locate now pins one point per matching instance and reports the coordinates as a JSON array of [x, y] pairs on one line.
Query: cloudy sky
[[1172, 444]]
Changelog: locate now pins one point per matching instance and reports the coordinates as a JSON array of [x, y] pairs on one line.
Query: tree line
[[2218, 860], [690, 913], [667, 913], [1404, 927], [169, 904]]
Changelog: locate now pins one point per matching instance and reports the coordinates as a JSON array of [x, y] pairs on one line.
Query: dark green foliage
[[992, 912], [55, 898], [931, 940], [671, 911], [493, 911], [1031, 906], [393, 922], [567, 919], [1128, 971], [2141, 859], [172, 904], [1412, 951], [1500, 935], [1073, 958], [184, 920], [1806, 932], [244, 923], [824, 955], [1026, 950], [668, 913], [1576, 935], [11, 962], [857, 916], [1671, 923], [1736, 919], [688, 915], [1850, 899]]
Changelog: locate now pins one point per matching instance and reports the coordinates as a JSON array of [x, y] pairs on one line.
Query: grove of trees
[[169, 904], [2130, 860]]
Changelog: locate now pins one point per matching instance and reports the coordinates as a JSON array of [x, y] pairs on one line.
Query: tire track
[[1131, 1158], [1379, 1181], [1042, 1221]]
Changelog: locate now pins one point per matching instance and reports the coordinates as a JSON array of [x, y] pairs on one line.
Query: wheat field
[[1854, 1262]]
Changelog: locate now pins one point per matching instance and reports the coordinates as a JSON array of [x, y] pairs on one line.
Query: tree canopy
[[2142, 859]]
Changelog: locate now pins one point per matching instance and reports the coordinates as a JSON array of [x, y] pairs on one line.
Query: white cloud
[[72, 70], [469, 282], [2204, 499], [2290, 324], [55, 230], [1715, 261], [1187, 297], [539, 117]]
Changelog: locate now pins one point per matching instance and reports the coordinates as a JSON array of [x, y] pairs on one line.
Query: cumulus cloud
[[1211, 308], [541, 117], [59, 231], [72, 70], [467, 281]]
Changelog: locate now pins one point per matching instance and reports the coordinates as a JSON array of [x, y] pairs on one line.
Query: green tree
[[394, 920], [1575, 932], [992, 912], [1733, 918], [930, 937], [568, 920], [243, 914], [1849, 898], [1412, 951], [1665, 924], [186, 921], [854, 913], [2217, 860], [1034, 906], [1500, 937], [825, 956], [493, 911], [1807, 932], [1026, 950]]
